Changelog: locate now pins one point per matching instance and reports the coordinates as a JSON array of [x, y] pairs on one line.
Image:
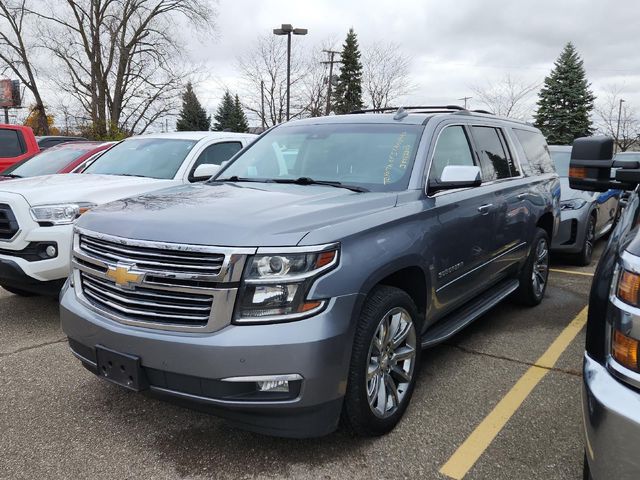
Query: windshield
[[50, 161], [628, 157], [145, 157], [378, 157], [561, 160]]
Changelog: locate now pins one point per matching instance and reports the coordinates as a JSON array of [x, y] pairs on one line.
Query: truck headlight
[[275, 286], [573, 204], [63, 214], [624, 348]]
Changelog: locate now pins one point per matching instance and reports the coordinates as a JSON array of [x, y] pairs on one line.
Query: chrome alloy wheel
[[590, 238], [392, 355], [540, 267]]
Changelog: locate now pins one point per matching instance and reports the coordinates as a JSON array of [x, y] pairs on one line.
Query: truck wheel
[[384, 362], [534, 276], [19, 292], [585, 255]]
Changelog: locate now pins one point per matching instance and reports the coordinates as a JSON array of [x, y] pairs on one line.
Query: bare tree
[[118, 57], [609, 115], [507, 97], [263, 69], [385, 74], [15, 54]]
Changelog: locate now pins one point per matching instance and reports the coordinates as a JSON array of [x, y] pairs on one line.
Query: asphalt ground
[[59, 421]]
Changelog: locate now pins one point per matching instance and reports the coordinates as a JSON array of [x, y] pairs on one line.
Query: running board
[[454, 322]]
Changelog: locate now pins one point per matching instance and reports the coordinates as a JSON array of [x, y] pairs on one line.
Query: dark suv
[[303, 281]]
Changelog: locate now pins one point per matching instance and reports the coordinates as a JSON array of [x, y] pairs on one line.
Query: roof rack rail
[[487, 112], [417, 107]]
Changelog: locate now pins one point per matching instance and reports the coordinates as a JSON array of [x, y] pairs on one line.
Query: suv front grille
[[157, 285], [8, 223], [153, 259], [147, 305]]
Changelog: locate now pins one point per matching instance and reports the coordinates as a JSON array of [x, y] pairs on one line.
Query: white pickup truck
[[37, 214]]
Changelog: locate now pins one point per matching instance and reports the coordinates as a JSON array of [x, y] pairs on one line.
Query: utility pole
[[618, 127], [465, 101], [6, 115], [264, 120], [331, 61]]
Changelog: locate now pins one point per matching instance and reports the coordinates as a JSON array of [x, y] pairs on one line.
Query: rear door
[[502, 175], [461, 224]]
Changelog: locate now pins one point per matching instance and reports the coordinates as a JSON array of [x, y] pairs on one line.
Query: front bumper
[[611, 412], [190, 367], [570, 235]]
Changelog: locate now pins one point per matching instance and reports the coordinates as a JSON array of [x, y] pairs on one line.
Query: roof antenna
[[400, 114]]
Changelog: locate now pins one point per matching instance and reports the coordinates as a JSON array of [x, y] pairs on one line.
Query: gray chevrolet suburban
[[300, 284]]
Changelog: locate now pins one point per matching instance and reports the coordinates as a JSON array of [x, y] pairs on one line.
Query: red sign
[[9, 93]]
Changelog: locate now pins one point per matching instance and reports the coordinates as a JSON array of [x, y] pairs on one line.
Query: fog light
[[274, 386], [51, 251]]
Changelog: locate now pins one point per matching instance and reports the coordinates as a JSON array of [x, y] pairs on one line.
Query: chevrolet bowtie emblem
[[124, 276]]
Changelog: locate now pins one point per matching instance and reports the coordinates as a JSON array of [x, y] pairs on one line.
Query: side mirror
[[591, 164], [457, 176], [204, 172]]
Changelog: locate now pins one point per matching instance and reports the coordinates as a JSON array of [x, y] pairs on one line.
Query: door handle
[[522, 196], [484, 209]]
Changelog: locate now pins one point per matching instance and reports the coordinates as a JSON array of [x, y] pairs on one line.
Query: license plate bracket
[[121, 368]]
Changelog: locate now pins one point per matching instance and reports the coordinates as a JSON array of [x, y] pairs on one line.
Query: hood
[[568, 193], [76, 187], [247, 215]]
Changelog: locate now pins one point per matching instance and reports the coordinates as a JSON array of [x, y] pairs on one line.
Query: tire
[[586, 254], [19, 292], [535, 274], [586, 472], [370, 407]]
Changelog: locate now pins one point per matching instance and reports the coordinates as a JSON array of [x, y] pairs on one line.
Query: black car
[[49, 141]]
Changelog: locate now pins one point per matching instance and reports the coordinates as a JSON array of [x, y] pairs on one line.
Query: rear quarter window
[[11, 144], [536, 152]]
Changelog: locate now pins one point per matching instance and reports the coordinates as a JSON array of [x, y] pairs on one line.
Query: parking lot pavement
[[58, 421]]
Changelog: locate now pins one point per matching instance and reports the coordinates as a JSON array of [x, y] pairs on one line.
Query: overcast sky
[[453, 44]]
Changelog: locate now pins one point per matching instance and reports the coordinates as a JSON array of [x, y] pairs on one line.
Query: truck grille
[[177, 260], [157, 285], [147, 305], [8, 223]]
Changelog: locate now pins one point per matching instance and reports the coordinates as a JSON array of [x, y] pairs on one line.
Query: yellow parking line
[[474, 446], [571, 272]]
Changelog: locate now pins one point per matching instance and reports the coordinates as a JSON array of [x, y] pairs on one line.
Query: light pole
[[287, 29], [618, 127]]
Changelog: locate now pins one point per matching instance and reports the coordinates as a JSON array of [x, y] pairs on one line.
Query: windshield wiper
[[130, 175], [311, 181], [236, 178], [11, 175]]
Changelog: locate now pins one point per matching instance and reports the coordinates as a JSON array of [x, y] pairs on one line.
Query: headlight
[[573, 204], [275, 286], [624, 348], [63, 214]]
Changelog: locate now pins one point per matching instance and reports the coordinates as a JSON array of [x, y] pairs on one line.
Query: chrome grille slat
[[143, 263], [195, 257], [161, 294], [151, 316]]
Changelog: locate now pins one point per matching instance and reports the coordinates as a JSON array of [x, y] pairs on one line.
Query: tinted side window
[[217, 153], [495, 158], [452, 149], [536, 150], [10, 144]]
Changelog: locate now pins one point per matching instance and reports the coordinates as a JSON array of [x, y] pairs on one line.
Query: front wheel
[[384, 362], [535, 274], [586, 254]]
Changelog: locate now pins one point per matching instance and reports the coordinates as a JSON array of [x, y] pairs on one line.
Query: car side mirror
[[204, 172], [457, 176], [591, 164]]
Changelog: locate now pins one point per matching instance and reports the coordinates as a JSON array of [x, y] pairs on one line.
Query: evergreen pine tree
[[192, 116], [565, 100], [240, 119], [348, 92], [225, 114]]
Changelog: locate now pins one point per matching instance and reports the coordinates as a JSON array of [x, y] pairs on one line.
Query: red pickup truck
[[17, 143]]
